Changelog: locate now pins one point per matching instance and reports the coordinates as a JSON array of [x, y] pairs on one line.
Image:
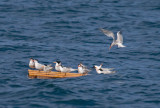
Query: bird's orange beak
[[54, 62], [110, 47]]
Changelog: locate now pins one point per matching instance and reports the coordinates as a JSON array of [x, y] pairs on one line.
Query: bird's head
[[94, 67], [79, 65], [31, 59], [58, 63]]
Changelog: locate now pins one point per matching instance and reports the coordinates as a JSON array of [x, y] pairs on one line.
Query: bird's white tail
[[108, 72], [74, 69], [120, 45]]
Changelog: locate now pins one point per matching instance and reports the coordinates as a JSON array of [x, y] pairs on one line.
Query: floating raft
[[50, 75]]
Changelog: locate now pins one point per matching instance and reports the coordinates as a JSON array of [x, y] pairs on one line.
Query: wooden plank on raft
[[49, 75]]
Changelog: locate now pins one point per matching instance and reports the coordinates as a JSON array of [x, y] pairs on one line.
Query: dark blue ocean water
[[48, 30]]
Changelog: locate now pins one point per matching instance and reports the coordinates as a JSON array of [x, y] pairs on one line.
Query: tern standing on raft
[[61, 68], [38, 65], [31, 63], [83, 69], [57, 66], [47, 68]]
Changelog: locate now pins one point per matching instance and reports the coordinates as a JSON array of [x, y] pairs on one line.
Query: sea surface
[[68, 30]]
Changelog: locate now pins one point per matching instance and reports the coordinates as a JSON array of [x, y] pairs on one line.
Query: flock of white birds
[[33, 63]]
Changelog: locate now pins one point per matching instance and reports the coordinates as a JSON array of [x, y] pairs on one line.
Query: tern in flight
[[119, 40]]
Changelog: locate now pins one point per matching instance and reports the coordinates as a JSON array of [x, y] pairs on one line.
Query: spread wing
[[86, 70], [108, 33], [119, 37]]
